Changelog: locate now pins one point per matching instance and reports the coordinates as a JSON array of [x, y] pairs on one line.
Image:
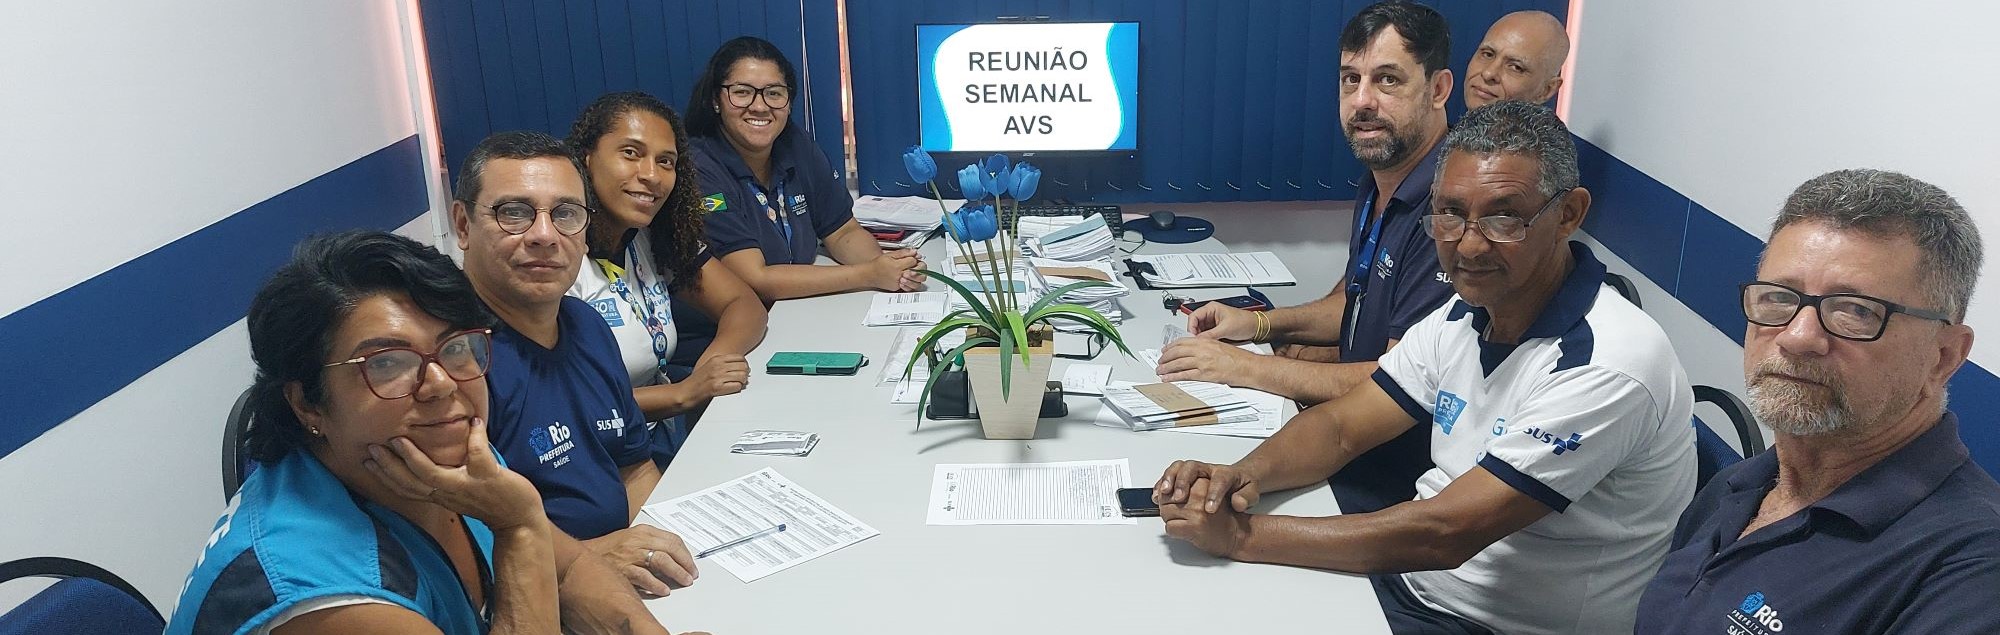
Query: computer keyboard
[[1113, 215]]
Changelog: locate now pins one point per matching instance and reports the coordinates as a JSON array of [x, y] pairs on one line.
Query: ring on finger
[[649, 557]]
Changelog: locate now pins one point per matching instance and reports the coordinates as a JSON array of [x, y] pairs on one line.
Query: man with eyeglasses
[[1867, 516], [1559, 421], [1393, 87], [561, 407]]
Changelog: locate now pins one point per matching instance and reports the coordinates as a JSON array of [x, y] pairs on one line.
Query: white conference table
[[915, 578]]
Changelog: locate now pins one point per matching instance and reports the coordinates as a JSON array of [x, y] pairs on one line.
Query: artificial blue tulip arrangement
[[999, 320]]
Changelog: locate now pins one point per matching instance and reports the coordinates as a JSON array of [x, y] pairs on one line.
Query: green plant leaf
[[1054, 294], [1019, 326], [930, 338], [1085, 316], [1006, 365], [955, 356], [985, 314]]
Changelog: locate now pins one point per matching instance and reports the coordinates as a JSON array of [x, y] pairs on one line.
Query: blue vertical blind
[[534, 64], [1238, 100]]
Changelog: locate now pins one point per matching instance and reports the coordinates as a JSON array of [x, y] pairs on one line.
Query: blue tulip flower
[[921, 166], [1026, 178], [970, 182], [994, 164], [993, 174], [954, 225], [980, 222]]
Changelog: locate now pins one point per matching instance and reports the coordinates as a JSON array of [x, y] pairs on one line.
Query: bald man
[[1520, 60]]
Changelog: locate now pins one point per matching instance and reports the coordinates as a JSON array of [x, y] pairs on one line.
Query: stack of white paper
[[1181, 403], [1024, 293], [913, 240], [918, 215], [1069, 237], [909, 386], [901, 212], [1270, 417], [1050, 273], [987, 261], [897, 309], [1215, 270]]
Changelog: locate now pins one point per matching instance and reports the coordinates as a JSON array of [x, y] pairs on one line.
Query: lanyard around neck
[[778, 208], [1357, 280], [641, 303]]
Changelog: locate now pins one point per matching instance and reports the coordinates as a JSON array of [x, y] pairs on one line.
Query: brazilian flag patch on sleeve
[[713, 203]]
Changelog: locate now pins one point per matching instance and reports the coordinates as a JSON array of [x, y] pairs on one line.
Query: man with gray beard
[[1867, 516]]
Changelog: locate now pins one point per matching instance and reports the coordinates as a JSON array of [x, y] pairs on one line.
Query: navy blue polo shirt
[[565, 418], [741, 210], [1404, 282], [1910, 545]]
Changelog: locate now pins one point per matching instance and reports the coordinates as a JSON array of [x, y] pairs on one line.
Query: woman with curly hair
[[646, 246]]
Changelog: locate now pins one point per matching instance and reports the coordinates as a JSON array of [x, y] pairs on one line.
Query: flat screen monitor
[[1029, 87]]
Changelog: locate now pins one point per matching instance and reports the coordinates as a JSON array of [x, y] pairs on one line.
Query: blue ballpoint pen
[[712, 550]]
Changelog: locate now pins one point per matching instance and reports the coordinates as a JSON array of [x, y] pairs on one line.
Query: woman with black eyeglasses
[[771, 196], [378, 505]]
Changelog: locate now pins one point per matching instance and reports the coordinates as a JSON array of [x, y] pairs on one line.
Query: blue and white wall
[[161, 160], [1704, 114]]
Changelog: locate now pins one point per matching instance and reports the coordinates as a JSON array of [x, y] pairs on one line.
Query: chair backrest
[[1712, 453], [236, 463], [1624, 287], [1748, 435], [86, 599]]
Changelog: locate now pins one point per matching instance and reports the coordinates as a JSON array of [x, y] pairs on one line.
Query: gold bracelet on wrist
[[1263, 332]]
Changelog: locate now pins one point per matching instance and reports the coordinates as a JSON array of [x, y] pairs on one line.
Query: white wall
[[132, 125], [1734, 104]]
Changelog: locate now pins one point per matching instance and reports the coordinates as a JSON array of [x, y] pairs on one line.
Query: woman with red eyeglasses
[[377, 504]]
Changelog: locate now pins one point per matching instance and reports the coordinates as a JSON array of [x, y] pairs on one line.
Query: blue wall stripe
[[1699, 257], [75, 348]]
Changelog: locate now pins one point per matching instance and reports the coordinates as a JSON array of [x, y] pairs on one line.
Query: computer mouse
[[1163, 219]]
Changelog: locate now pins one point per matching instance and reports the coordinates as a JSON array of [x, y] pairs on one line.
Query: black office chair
[[1711, 452], [85, 599], [235, 462], [1624, 287]]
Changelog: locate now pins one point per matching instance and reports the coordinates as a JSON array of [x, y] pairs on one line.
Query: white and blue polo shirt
[[1590, 414]]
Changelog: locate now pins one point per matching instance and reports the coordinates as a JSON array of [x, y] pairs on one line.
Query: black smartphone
[[1244, 302], [1137, 501]]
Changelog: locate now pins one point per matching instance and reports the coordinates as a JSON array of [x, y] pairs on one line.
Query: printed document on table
[[1210, 270], [1064, 493], [1086, 379], [893, 309], [753, 503], [909, 388]]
